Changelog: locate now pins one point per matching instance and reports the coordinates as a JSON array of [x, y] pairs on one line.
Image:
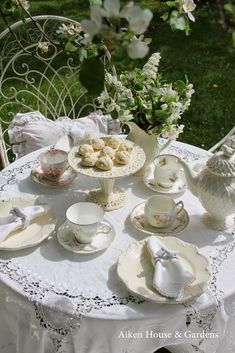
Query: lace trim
[[39, 292]]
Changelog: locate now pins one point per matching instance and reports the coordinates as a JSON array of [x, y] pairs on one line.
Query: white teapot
[[214, 185]]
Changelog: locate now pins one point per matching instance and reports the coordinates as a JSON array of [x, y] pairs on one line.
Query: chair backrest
[[30, 80], [222, 141]]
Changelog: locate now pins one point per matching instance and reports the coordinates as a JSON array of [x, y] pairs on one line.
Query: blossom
[[43, 47], [187, 6], [138, 18], [71, 29], [156, 106], [94, 25], [111, 8], [172, 132], [150, 69], [137, 49], [23, 3]]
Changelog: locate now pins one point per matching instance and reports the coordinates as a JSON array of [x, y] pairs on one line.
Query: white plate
[[66, 178], [139, 221], [136, 271], [101, 241], [136, 162], [178, 187], [34, 234]]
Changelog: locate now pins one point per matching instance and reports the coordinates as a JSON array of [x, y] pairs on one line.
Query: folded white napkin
[[20, 218], [170, 277]]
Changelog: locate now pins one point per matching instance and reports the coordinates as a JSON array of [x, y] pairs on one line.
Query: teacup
[[161, 211], [166, 171], [85, 221], [53, 163]]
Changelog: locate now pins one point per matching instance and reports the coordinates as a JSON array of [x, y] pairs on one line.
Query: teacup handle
[[181, 206], [104, 228]]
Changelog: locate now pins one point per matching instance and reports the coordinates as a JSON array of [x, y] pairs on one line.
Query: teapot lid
[[223, 162]]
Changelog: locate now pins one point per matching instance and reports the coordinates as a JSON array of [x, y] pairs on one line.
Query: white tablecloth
[[52, 300]]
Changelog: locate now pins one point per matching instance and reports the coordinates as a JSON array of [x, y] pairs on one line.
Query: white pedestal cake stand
[[108, 196]]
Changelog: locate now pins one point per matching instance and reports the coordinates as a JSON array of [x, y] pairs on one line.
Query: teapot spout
[[191, 177]]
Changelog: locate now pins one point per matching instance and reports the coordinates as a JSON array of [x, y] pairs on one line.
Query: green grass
[[206, 57]]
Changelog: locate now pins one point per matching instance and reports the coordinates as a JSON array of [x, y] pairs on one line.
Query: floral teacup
[[161, 211], [53, 163], [166, 172]]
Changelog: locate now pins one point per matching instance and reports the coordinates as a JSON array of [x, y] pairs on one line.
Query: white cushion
[[31, 131]]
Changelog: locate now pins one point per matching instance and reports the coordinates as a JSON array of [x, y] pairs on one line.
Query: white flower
[[125, 116], [23, 3], [111, 8], [187, 6], [137, 49], [150, 69], [94, 25], [43, 47], [138, 18], [172, 132], [189, 90], [70, 29], [164, 106]]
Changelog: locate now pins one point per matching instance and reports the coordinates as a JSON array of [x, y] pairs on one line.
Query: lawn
[[206, 57]]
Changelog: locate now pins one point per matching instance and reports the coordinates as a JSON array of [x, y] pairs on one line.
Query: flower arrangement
[[142, 96]]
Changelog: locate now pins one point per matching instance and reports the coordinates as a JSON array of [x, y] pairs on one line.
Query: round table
[[52, 300]]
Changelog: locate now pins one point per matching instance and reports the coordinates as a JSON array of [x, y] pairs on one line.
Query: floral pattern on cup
[[161, 211], [166, 171], [53, 163]]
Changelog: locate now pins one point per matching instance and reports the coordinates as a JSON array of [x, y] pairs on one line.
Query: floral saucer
[[178, 187], [67, 178], [139, 221], [102, 240]]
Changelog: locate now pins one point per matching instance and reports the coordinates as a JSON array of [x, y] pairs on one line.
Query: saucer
[[178, 187], [66, 178], [139, 221], [101, 240]]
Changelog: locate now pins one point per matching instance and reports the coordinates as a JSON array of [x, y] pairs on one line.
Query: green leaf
[[230, 8], [149, 117], [162, 114], [177, 21], [69, 46], [165, 16], [180, 86], [95, 2], [92, 75], [82, 54], [233, 38], [170, 3]]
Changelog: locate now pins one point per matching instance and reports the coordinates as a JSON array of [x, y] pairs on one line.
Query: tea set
[[86, 231], [159, 214]]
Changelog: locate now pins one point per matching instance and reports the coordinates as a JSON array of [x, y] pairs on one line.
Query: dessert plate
[[140, 222], [178, 187], [67, 178], [136, 271], [102, 240], [34, 234]]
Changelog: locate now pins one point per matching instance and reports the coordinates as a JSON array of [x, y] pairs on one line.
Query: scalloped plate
[[136, 162], [139, 276], [34, 234]]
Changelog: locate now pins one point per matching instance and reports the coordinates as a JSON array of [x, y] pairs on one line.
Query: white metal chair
[[222, 141], [32, 81]]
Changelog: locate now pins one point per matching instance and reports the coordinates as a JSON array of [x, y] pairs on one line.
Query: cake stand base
[[116, 199]]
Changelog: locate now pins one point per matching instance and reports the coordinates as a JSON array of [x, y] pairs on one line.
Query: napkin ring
[[164, 254], [18, 213]]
